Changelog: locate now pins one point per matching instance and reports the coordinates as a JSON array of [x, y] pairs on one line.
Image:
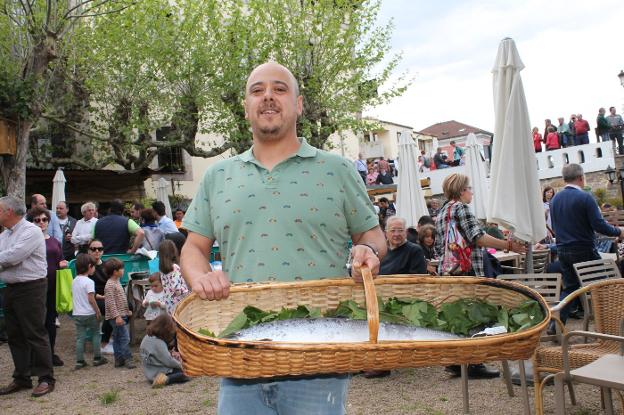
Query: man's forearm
[[193, 263]]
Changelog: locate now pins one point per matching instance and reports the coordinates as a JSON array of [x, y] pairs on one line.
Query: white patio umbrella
[[162, 195], [476, 171], [58, 188], [515, 196], [411, 200]]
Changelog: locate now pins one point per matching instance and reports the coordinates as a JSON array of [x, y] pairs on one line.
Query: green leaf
[[240, 322], [206, 332]]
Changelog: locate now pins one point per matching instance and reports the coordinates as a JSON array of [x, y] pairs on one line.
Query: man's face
[[41, 202], [383, 204], [179, 215], [4, 215], [89, 213], [612, 110], [135, 213], [396, 234], [560, 121], [601, 111], [579, 116], [271, 103], [61, 210]]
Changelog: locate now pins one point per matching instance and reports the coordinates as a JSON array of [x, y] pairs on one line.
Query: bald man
[[282, 210], [54, 228]]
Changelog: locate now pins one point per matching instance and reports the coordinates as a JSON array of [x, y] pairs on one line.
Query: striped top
[[115, 300]]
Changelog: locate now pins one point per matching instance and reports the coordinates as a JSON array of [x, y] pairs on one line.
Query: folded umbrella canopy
[[58, 188], [476, 171], [162, 195], [515, 195], [410, 198]]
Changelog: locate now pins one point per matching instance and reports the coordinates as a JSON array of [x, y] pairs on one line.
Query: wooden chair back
[[548, 285]]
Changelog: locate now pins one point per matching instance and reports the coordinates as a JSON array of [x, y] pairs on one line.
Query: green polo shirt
[[291, 223]]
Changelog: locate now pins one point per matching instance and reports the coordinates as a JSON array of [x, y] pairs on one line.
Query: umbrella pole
[[528, 263]]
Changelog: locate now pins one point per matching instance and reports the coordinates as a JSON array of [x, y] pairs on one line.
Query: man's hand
[[214, 285], [362, 255]]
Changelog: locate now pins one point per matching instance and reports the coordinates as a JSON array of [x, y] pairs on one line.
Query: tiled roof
[[450, 129]]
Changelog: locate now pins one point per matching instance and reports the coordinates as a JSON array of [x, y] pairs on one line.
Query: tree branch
[[73, 128]]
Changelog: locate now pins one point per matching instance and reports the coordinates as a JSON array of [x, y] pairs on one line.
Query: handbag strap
[[448, 222]]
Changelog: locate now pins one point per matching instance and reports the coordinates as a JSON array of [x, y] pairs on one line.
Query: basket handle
[[372, 307]]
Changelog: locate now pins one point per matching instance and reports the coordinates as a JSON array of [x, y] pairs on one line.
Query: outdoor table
[[512, 257]]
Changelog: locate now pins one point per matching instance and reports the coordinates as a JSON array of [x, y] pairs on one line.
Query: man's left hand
[[363, 255]]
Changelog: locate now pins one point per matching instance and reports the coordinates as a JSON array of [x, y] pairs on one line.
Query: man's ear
[[299, 105]]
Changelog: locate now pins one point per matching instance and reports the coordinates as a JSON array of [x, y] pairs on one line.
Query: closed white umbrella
[[515, 196], [476, 171], [411, 200], [58, 188], [162, 195]]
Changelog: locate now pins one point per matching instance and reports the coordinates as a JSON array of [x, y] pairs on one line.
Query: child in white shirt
[[154, 301], [86, 313]]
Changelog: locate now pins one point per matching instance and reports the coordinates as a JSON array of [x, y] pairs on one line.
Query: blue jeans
[[121, 340], [87, 328], [582, 139], [304, 396], [568, 256]]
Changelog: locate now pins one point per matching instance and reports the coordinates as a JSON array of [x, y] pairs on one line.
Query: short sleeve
[[358, 209], [198, 217], [90, 286], [132, 226]]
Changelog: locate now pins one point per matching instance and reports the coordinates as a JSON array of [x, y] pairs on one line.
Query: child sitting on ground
[[117, 313], [86, 313], [161, 367], [154, 301], [174, 286]]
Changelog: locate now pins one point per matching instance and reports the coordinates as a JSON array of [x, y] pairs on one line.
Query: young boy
[[154, 301], [117, 313], [86, 313]]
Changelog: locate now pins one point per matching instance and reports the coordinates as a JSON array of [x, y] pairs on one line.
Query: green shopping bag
[[64, 302]]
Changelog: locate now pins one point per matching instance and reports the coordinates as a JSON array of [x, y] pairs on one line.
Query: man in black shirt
[[403, 257]]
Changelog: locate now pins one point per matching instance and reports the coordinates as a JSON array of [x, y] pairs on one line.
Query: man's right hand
[[213, 285]]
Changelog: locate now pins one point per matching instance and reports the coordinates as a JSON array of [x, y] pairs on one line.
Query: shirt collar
[[18, 225], [574, 186], [305, 151]]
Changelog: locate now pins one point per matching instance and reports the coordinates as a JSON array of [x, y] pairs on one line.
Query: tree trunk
[[14, 167]]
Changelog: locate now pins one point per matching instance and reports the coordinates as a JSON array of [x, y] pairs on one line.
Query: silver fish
[[335, 330]]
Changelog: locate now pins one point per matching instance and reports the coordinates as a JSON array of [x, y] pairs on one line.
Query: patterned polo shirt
[[291, 223]]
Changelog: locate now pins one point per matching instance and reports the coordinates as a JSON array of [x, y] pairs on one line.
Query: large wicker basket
[[204, 355]]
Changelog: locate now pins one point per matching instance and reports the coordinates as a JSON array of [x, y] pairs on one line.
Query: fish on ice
[[335, 330]]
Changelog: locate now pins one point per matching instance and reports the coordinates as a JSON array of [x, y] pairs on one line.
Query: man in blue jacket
[[576, 217]]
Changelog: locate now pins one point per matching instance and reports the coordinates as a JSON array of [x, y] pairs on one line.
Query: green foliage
[[462, 317], [615, 201], [109, 397], [601, 195], [16, 96]]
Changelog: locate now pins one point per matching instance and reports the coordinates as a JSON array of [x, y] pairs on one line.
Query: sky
[[572, 52]]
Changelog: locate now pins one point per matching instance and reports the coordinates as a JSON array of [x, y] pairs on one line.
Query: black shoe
[[120, 362], [454, 370], [373, 374], [14, 387], [577, 314], [56, 360], [552, 330], [481, 371]]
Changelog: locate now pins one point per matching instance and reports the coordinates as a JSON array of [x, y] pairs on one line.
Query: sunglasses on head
[[39, 220], [96, 248]]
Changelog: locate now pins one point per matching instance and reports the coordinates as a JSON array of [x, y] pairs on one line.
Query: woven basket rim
[[350, 346]]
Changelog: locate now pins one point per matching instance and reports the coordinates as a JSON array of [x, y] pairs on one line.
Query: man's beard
[[269, 133]]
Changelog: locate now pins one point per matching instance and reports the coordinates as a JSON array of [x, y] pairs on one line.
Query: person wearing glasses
[[83, 231], [403, 257], [54, 257], [99, 277]]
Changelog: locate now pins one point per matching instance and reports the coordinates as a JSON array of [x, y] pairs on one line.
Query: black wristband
[[376, 252]]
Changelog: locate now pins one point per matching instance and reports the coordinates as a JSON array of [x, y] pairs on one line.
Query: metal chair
[[541, 259], [608, 308], [589, 272], [607, 372]]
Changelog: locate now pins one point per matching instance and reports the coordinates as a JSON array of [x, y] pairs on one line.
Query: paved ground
[[410, 391]]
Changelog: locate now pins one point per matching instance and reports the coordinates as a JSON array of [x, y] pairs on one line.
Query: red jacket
[[552, 141], [537, 142], [581, 126]]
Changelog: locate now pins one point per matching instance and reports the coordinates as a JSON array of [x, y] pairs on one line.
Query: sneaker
[[99, 362], [119, 362], [80, 364], [57, 323], [108, 349], [159, 381], [128, 364], [56, 360]]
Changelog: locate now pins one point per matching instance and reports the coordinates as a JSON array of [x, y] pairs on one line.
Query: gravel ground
[[409, 391]]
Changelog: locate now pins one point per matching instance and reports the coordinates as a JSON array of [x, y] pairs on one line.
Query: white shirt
[[152, 312], [83, 231], [81, 287], [22, 253], [167, 225]]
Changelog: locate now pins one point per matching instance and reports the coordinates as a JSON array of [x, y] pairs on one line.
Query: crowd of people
[[37, 243], [576, 131]]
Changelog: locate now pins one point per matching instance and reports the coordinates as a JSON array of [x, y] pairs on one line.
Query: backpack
[[427, 161]]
